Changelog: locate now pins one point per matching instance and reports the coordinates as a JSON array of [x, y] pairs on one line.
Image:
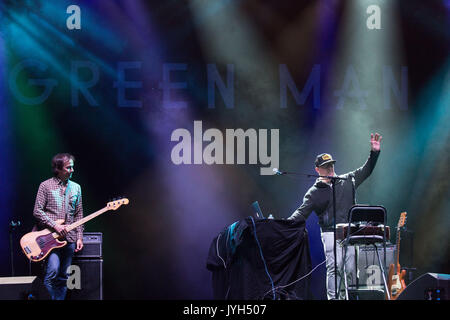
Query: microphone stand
[[333, 180], [12, 227]]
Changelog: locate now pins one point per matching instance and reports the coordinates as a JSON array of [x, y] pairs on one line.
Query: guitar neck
[[86, 219], [112, 205], [397, 258]]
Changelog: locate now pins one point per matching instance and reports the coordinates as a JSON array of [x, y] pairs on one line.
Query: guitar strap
[[66, 204]]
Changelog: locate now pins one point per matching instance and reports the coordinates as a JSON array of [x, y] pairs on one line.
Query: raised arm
[[375, 142], [365, 171]]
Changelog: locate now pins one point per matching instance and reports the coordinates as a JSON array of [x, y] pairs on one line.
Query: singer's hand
[[375, 141]]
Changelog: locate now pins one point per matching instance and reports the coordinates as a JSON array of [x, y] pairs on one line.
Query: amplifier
[[92, 248], [368, 271], [85, 281]]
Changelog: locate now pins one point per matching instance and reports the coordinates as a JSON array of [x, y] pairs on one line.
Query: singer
[[59, 198], [319, 199]]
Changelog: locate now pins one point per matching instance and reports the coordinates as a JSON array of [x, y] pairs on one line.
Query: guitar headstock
[[117, 203], [402, 220]]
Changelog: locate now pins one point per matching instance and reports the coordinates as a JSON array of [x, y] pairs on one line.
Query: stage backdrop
[[186, 107]]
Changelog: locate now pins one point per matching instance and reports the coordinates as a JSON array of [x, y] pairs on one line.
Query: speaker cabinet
[[368, 272], [23, 288], [92, 248], [85, 280], [429, 286]]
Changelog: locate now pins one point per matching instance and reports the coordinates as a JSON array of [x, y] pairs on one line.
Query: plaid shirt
[[56, 200]]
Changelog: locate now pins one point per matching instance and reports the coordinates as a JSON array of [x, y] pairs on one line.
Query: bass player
[[59, 200]]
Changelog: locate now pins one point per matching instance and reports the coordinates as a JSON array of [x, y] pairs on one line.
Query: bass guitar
[[38, 244], [396, 277]]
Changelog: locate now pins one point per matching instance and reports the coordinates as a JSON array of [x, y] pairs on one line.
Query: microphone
[[277, 172], [14, 224]]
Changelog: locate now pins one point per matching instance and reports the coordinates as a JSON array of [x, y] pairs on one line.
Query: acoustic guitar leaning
[[38, 244], [396, 277]]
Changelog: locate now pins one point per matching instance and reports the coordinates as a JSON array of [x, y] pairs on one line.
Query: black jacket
[[319, 198]]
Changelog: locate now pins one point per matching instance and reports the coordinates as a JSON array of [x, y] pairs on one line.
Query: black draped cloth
[[256, 259]]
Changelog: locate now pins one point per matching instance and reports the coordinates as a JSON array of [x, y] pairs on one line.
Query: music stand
[[360, 214]]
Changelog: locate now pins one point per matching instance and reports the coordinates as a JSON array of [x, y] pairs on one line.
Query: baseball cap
[[323, 158]]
